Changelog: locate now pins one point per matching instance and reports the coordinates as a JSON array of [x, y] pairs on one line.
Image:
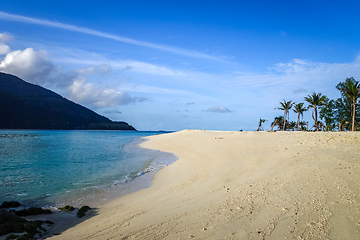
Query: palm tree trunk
[[273, 125], [353, 116], [298, 125], [316, 122], [284, 120]]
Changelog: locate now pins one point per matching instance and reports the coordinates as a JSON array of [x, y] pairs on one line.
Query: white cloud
[[36, 67], [4, 49], [30, 65], [97, 96], [220, 109]]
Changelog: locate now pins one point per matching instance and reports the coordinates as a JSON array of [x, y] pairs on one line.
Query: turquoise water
[[53, 168]]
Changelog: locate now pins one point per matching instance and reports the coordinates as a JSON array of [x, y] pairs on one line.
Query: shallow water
[[56, 168]]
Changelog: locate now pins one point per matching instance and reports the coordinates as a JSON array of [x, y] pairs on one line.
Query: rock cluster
[[13, 223], [10, 222]]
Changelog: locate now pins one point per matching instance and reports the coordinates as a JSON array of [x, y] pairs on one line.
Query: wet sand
[[241, 185]]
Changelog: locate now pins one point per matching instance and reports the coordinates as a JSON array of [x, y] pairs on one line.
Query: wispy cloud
[[298, 74], [220, 109], [44, 22], [5, 37], [4, 49], [126, 65]]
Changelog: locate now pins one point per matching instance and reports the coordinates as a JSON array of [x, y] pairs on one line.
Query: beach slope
[[241, 185]]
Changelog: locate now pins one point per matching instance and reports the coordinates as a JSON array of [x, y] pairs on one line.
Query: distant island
[[28, 106]]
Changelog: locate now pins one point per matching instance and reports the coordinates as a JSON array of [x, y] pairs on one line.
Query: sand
[[241, 185]]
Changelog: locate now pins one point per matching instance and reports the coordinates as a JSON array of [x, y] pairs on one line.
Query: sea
[[51, 169]]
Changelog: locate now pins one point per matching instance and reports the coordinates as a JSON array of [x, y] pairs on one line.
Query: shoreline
[[143, 179], [101, 194], [64, 220], [241, 185]]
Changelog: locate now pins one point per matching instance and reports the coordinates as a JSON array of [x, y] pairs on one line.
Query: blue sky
[[174, 65]]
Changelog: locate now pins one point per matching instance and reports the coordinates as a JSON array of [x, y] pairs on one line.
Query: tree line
[[342, 114]]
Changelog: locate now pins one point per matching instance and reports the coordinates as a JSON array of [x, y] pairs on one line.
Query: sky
[[174, 65]]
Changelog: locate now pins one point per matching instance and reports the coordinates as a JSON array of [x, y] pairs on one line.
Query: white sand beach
[[241, 185]]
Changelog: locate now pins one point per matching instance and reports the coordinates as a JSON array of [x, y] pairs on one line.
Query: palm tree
[[328, 113], [299, 109], [350, 88], [315, 100], [303, 125], [285, 106], [292, 125], [260, 123], [278, 121]]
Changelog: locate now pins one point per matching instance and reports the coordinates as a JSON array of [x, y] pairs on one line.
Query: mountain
[[28, 106]]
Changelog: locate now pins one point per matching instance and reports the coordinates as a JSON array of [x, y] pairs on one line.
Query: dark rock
[[82, 211], [33, 227], [11, 204], [49, 222], [11, 236], [8, 216], [26, 237], [67, 208], [32, 211], [10, 223], [9, 227]]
